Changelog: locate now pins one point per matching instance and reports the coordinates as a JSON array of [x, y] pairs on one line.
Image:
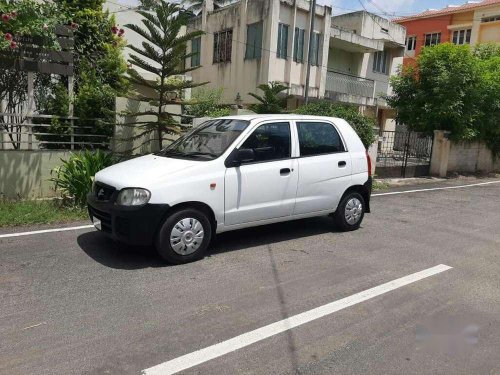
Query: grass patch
[[14, 213], [379, 185]]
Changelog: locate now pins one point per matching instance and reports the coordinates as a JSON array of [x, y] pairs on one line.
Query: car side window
[[316, 138], [270, 141]]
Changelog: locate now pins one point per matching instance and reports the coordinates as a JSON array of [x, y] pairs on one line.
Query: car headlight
[[133, 197]]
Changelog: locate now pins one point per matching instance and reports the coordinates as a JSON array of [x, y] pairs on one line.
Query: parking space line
[[45, 231], [433, 189], [203, 355]]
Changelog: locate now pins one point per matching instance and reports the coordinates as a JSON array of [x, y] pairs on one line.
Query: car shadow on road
[[117, 255], [120, 256], [274, 233]]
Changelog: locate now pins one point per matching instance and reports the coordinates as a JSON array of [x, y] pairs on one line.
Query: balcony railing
[[349, 84]]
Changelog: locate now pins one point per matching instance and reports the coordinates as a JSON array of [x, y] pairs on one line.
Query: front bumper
[[132, 225]]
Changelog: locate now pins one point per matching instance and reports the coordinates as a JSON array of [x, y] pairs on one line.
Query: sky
[[387, 8]]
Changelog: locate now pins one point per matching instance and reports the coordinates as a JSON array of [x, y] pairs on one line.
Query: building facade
[[253, 42], [469, 23]]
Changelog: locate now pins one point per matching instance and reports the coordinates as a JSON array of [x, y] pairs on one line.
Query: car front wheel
[[350, 212], [184, 237]]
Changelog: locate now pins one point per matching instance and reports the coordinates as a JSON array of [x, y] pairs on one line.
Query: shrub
[[74, 177], [206, 103], [363, 125]]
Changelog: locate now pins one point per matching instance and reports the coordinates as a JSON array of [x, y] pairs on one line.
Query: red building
[[469, 23]]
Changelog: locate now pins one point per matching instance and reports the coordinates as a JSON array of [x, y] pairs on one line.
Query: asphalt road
[[75, 303]]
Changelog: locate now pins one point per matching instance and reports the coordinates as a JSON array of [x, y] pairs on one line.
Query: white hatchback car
[[231, 173]]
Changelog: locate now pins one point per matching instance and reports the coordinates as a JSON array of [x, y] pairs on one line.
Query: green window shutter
[[254, 41], [296, 44], [258, 40], [282, 50], [315, 49], [301, 45], [250, 51], [196, 50]]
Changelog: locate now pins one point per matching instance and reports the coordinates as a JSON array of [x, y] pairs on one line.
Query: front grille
[[104, 217], [102, 192]]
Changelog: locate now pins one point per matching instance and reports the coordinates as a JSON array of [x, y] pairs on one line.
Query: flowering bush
[[29, 17]]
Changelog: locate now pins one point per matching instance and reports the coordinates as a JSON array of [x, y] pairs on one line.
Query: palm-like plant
[[195, 6], [163, 53], [273, 101]]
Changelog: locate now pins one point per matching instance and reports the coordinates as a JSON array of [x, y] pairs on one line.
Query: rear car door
[[325, 167], [264, 188]]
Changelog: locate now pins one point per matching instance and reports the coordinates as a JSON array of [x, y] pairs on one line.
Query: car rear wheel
[[350, 212], [184, 237]]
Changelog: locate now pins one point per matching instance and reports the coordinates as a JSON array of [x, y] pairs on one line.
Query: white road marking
[[45, 231], [33, 326], [203, 355], [433, 189]]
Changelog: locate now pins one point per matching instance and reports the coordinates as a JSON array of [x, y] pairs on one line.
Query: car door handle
[[342, 164], [285, 171]]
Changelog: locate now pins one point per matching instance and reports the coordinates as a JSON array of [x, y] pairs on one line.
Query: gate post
[[440, 153]]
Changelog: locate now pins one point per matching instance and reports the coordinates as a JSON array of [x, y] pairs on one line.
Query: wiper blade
[[199, 153]]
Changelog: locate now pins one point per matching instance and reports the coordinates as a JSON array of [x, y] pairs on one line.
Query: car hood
[[143, 171]]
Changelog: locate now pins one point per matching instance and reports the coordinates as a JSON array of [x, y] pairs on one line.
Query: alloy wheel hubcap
[[353, 211], [186, 236]]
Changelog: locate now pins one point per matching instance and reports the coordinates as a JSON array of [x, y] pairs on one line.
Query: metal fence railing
[[48, 132], [349, 84]]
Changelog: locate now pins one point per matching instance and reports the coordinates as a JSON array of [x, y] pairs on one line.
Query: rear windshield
[[207, 141]]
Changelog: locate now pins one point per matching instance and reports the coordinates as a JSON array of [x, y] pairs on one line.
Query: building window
[[195, 50], [223, 44], [282, 52], [411, 43], [315, 49], [254, 41], [461, 36], [381, 62], [432, 39], [491, 19], [298, 45]]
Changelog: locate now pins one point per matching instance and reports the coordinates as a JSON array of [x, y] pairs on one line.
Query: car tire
[[180, 241], [350, 212]]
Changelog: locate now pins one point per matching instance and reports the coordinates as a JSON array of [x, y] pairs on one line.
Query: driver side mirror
[[239, 157], [245, 155]]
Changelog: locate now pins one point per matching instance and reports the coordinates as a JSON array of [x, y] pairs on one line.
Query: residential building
[[469, 23], [253, 42]]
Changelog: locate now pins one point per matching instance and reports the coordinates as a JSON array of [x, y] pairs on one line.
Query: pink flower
[[8, 37], [13, 14], [5, 17], [121, 32], [13, 45], [114, 29]]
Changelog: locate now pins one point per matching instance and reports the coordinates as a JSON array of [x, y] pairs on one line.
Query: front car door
[[324, 165], [264, 188]]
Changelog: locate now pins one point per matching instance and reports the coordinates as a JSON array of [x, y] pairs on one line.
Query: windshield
[[207, 141]]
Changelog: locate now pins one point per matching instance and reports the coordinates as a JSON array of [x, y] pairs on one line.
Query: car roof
[[282, 116]]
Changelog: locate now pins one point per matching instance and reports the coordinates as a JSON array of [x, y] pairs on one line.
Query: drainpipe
[[309, 54]]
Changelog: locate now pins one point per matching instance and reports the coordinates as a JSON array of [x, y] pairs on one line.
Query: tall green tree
[[451, 88], [162, 54], [272, 101]]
